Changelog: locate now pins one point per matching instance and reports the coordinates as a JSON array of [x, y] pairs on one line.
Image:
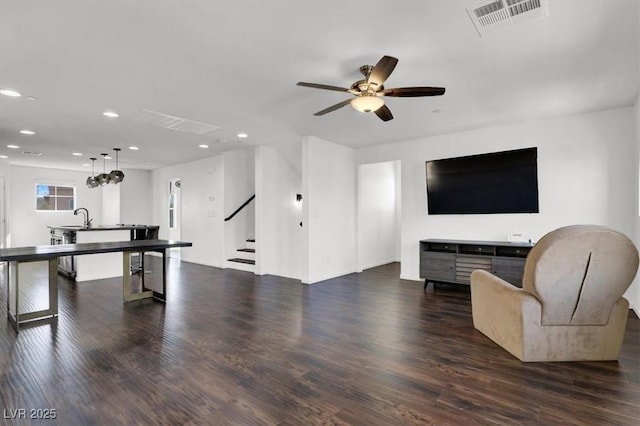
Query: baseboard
[[636, 310], [329, 277], [183, 260], [410, 278], [375, 265]]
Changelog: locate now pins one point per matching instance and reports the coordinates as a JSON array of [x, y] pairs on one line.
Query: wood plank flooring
[[233, 348]]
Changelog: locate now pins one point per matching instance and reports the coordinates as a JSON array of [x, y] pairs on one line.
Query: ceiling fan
[[369, 91]]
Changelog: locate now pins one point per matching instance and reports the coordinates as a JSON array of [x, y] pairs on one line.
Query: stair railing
[[240, 208]]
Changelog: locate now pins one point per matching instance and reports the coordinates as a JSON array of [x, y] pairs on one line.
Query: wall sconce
[[299, 200], [298, 203]]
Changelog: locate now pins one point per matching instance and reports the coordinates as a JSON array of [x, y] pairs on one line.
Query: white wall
[[398, 241], [136, 198], [239, 186], [633, 294], [107, 205], [4, 167], [584, 174], [29, 227], [328, 187], [5, 206], [110, 204], [377, 209], [278, 214], [202, 198]]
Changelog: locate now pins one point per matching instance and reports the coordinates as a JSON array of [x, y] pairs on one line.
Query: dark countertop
[[117, 227], [48, 252]]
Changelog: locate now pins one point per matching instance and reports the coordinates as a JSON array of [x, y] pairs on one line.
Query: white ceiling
[[235, 64]]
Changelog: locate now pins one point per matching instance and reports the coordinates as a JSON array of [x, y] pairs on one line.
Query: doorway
[[3, 215], [175, 215], [379, 215]]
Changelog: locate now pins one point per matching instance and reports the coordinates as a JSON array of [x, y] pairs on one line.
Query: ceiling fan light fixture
[[369, 92], [367, 103]]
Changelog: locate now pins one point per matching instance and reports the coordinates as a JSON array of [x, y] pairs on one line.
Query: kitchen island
[[96, 266], [14, 256]]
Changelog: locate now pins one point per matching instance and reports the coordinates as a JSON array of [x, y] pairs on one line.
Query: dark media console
[[452, 261]]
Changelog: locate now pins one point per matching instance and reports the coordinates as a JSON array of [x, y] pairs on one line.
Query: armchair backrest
[[578, 272]]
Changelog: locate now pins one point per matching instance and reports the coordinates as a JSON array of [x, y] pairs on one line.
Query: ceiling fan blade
[[384, 113], [412, 92], [334, 107], [382, 70], [322, 86]]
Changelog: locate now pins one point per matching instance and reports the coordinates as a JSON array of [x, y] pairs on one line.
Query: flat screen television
[[497, 182]]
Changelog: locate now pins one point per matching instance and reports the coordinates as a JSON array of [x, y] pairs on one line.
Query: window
[[55, 197]]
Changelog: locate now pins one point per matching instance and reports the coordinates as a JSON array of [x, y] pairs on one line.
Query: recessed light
[[9, 92], [77, 154], [134, 148], [110, 114], [27, 132], [203, 145], [13, 146], [32, 98], [242, 135], [4, 156], [108, 157]]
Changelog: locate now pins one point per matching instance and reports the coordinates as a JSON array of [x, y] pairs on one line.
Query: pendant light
[[116, 176], [103, 178], [92, 182]]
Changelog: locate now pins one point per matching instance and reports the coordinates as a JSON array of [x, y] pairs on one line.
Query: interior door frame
[[3, 213], [175, 232]]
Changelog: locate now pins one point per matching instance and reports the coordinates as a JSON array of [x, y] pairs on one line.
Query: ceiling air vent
[[171, 122], [502, 14]]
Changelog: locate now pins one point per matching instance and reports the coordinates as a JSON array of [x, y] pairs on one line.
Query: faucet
[[85, 213]]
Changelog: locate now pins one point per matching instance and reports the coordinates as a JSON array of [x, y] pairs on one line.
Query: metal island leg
[[13, 296], [146, 293], [127, 295]]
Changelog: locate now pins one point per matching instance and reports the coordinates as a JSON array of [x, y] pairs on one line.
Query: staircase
[[245, 259]]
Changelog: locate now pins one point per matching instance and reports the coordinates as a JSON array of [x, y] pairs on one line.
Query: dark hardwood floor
[[233, 348]]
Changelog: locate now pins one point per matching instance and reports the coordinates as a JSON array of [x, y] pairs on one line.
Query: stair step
[[246, 261], [247, 250], [251, 240]]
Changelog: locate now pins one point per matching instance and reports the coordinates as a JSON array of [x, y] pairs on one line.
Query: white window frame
[[57, 185]]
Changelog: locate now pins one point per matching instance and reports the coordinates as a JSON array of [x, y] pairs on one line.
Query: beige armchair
[[570, 306]]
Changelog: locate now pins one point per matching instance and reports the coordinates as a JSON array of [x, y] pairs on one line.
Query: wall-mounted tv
[[497, 182]]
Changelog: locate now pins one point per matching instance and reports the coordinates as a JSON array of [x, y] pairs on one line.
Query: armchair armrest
[[500, 310]]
